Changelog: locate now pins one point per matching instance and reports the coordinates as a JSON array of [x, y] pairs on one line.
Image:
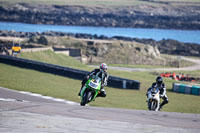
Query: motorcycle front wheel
[[154, 105], [86, 98]]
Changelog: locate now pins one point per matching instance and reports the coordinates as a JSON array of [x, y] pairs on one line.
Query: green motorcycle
[[90, 90]]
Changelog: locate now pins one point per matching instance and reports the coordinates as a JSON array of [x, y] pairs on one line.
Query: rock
[[43, 40], [152, 51], [164, 46], [138, 16]]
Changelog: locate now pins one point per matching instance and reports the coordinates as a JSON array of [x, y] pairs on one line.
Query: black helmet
[[159, 80]]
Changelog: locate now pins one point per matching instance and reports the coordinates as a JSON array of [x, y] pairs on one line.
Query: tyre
[[82, 104], [87, 97], [154, 105], [84, 99]]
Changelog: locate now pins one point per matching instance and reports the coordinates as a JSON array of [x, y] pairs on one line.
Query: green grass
[[54, 58], [62, 87], [38, 82], [63, 60], [138, 66]]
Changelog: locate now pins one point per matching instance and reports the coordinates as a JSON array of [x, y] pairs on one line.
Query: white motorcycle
[[154, 99]]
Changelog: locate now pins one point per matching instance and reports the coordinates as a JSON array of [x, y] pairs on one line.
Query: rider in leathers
[[162, 88], [102, 73]]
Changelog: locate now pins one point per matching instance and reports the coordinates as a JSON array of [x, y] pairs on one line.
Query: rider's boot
[[163, 103]]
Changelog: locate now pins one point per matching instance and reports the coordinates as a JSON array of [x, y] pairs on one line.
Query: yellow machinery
[[16, 48]]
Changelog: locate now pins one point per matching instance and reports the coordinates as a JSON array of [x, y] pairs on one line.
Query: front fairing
[[93, 84], [154, 95]]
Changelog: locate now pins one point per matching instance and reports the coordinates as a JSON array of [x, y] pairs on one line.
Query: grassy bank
[[53, 58], [144, 77], [61, 87]]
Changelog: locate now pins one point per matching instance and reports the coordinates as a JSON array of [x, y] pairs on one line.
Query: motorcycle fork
[[83, 90], [95, 95]]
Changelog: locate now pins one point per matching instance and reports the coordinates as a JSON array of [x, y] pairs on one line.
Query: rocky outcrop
[[96, 51], [171, 47], [138, 16], [174, 47], [112, 51], [109, 50]]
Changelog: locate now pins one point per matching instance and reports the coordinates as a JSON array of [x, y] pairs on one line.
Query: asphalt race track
[[26, 113]]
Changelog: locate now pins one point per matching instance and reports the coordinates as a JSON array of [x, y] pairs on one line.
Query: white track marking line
[[36, 95], [51, 98]]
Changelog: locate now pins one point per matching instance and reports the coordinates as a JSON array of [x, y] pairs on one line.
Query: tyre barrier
[[186, 89], [114, 82]]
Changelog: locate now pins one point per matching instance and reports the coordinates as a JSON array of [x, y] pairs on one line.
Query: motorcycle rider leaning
[[102, 73], [162, 88]]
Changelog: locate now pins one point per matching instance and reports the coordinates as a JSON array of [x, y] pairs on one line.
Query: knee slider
[[104, 94]]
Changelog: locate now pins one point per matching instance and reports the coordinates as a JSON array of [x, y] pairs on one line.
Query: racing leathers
[[162, 89], [104, 78]]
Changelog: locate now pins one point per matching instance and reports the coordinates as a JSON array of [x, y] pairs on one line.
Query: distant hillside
[[111, 51], [168, 46]]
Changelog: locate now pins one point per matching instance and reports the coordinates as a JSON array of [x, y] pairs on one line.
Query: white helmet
[[103, 67]]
